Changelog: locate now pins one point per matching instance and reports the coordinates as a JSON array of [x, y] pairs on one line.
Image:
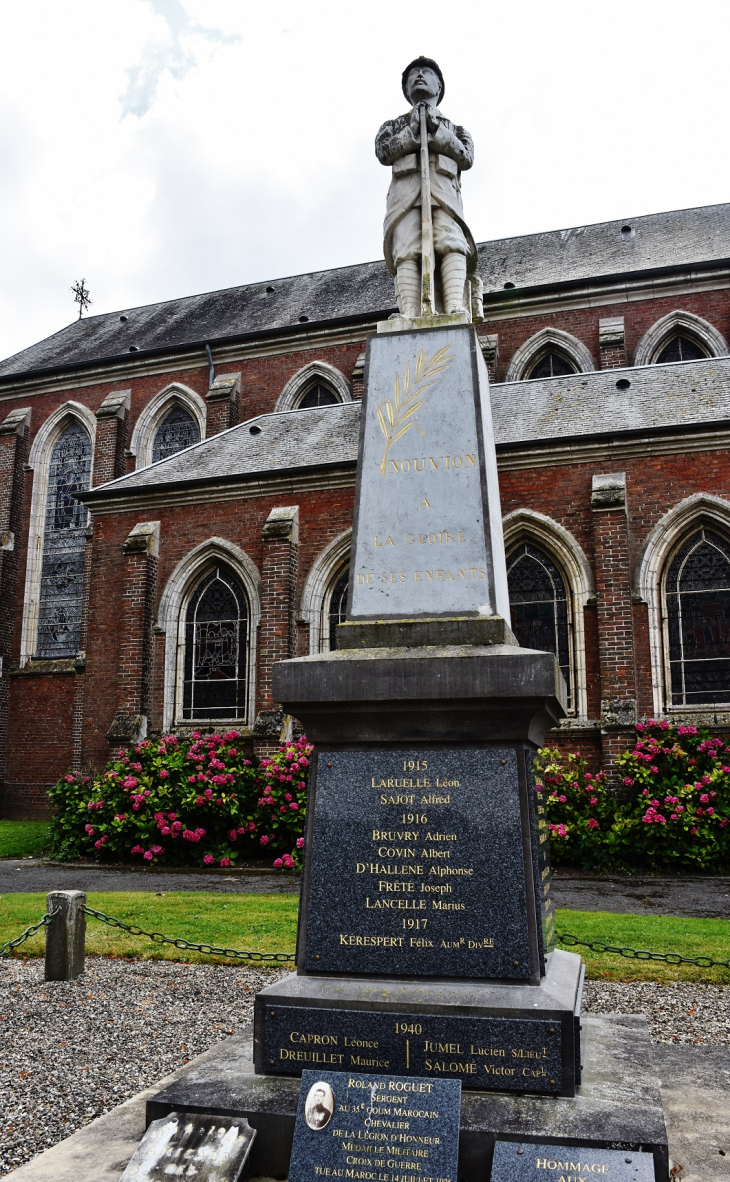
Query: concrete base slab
[[695, 1092], [617, 1106]]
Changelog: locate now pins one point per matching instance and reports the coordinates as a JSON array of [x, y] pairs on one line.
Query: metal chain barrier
[[6, 949], [208, 949], [566, 938], [704, 962]]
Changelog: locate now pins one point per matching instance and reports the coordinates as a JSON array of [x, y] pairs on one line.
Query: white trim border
[[317, 585], [39, 460], [306, 376], [526, 525], [171, 618], [529, 353], [158, 407]]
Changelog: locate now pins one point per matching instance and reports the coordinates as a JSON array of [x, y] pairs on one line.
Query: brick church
[[177, 484]]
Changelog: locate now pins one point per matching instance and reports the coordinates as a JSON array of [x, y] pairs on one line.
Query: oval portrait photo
[[319, 1105]]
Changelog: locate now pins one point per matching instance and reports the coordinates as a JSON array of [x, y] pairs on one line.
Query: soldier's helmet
[[424, 61]]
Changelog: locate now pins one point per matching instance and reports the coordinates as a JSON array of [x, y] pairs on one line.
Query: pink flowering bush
[[677, 811], [198, 800], [674, 809], [578, 808], [281, 802]]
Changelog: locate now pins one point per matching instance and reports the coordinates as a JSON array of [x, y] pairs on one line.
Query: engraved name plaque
[[515, 1162], [486, 1054], [417, 865]]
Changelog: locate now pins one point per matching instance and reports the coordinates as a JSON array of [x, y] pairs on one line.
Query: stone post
[[65, 935], [490, 352], [357, 377], [222, 402], [615, 614], [13, 455], [111, 436], [277, 639], [612, 342], [141, 549]]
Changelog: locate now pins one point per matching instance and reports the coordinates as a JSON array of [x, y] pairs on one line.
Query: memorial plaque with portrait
[[376, 1128], [417, 864]]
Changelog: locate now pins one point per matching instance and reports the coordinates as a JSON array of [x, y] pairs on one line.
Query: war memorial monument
[[426, 946]]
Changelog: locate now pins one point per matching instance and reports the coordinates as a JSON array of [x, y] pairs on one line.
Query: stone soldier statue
[[416, 236]]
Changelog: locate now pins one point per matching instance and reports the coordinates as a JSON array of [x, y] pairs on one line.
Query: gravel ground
[[680, 1012], [70, 1051]]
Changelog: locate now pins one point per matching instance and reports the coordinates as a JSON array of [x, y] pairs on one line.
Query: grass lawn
[[267, 923], [264, 923], [22, 839], [653, 933]]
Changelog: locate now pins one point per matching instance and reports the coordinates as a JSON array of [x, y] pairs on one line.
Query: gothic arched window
[[697, 593], [335, 606], [552, 365], [318, 395], [680, 348], [177, 430], [216, 649], [539, 605], [62, 567]]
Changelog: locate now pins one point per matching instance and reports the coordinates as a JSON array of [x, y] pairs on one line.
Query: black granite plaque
[[568, 1163], [191, 1145], [417, 865], [541, 855], [376, 1128], [488, 1054]]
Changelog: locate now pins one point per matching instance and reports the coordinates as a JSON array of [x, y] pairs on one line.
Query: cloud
[[168, 53]]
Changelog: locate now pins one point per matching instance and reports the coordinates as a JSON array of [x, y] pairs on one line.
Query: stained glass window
[[62, 567], [681, 348], [698, 614], [177, 430], [216, 634], [337, 606], [319, 395], [552, 365], [539, 605]]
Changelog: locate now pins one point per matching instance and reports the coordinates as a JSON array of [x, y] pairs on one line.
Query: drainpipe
[[211, 369]]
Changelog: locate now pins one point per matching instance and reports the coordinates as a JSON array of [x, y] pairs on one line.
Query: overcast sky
[[160, 148]]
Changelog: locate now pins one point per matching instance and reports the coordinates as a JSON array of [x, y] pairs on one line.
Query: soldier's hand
[[432, 122], [416, 121]]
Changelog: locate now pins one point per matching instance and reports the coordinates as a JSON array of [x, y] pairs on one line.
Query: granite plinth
[[427, 537], [407, 633], [419, 863], [492, 1037], [533, 1163], [376, 1128], [191, 1146], [617, 1105], [449, 692]]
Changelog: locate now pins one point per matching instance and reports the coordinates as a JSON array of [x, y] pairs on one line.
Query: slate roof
[[605, 402], [644, 398], [365, 291], [282, 442]]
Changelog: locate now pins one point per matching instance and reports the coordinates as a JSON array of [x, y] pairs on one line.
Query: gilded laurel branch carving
[[396, 415]]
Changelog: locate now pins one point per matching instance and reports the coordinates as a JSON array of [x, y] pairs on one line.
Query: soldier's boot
[[408, 289], [453, 281]]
